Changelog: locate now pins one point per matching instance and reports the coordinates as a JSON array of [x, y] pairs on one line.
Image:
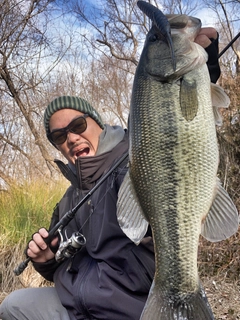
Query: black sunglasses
[[77, 126]]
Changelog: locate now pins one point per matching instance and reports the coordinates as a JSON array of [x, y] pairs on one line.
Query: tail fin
[[193, 306]]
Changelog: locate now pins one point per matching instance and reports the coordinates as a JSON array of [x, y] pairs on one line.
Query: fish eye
[[153, 37]]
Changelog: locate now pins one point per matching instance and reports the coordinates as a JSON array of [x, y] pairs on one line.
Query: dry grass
[[219, 267], [223, 296], [10, 257]]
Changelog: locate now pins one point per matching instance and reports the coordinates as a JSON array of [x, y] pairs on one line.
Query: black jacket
[[110, 277]]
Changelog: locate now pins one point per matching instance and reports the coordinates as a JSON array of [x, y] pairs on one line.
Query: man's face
[[76, 145]]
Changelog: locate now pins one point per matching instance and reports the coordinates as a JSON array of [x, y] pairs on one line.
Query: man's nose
[[72, 137]]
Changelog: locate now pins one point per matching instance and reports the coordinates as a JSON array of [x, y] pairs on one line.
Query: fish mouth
[[162, 24]]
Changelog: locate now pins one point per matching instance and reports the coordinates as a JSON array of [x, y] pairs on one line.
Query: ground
[[224, 298]]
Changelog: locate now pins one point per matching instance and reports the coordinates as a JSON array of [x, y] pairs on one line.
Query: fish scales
[[174, 176], [173, 161]]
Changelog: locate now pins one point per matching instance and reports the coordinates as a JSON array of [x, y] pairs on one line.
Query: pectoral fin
[[219, 100], [222, 220], [129, 212]]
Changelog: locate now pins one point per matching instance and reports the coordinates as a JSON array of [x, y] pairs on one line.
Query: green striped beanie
[[69, 102]]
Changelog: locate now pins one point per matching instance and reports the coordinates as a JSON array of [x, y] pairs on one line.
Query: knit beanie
[[68, 102]]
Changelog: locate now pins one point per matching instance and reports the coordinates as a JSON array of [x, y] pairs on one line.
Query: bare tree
[[119, 27], [114, 26], [227, 23], [227, 15], [107, 43], [188, 7], [108, 86], [27, 56]]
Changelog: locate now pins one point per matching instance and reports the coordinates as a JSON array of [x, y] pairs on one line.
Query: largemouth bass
[[172, 180]]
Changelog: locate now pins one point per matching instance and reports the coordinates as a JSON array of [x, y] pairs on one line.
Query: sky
[[207, 17]]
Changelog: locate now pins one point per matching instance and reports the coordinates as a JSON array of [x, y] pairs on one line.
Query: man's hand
[[204, 36], [38, 250]]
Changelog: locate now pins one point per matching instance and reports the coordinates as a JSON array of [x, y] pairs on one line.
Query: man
[[110, 277]]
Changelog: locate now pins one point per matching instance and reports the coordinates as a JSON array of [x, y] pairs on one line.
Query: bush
[[24, 209]]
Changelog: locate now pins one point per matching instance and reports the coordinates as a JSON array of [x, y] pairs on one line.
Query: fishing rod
[[69, 215], [229, 45]]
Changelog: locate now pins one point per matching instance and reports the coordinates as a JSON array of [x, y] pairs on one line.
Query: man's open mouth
[[83, 152]]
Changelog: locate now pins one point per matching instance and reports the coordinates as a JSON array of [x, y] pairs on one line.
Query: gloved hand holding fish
[[172, 182]]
